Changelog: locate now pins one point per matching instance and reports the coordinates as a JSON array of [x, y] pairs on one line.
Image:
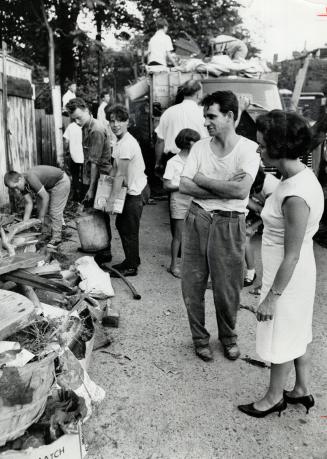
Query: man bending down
[[51, 186]]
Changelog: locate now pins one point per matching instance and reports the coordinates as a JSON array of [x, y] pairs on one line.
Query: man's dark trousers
[[213, 244], [128, 225]]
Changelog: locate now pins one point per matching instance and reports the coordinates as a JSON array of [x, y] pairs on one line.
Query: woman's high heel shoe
[[251, 411], [307, 400]]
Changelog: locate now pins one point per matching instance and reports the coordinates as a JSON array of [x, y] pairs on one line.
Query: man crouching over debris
[[51, 186]]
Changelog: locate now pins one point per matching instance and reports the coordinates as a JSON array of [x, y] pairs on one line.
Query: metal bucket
[[92, 232]]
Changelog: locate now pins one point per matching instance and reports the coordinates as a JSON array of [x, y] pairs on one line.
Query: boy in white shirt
[[128, 169], [179, 203]]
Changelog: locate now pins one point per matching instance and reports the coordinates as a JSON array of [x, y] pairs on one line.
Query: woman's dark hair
[[286, 134], [185, 137], [119, 110], [226, 100], [257, 185]]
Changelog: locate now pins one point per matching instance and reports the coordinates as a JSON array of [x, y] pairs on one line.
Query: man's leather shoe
[[125, 272], [231, 351], [120, 266], [123, 265], [204, 353], [104, 256]]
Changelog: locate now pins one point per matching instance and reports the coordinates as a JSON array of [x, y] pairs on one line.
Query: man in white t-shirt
[[218, 174], [160, 46], [69, 94], [185, 115], [73, 145], [128, 169], [101, 115]]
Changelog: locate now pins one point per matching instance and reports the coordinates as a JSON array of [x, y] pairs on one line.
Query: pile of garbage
[[48, 329]]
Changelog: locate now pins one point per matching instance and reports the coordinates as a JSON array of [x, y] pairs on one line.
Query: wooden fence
[[45, 137], [17, 121]]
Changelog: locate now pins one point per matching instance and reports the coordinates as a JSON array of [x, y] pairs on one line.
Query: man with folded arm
[[218, 174]]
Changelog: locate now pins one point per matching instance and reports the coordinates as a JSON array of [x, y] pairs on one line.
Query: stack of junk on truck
[[152, 93], [155, 91]]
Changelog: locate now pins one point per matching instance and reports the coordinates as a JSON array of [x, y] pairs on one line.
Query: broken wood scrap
[[28, 260], [6, 243], [28, 291], [7, 219], [16, 313], [22, 226], [46, 269], [21, 276]]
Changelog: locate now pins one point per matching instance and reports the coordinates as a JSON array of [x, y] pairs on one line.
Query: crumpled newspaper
[[95, 281]]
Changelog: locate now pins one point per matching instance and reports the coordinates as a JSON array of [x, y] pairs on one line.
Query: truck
[[160, 90]]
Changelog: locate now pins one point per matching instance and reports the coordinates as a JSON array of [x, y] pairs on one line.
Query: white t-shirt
[[174, 169], [202, 159], [101, 115], [186, 115], [128, 148], [73, 134], [159, 45]]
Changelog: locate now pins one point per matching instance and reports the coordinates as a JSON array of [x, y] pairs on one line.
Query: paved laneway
[[163, 402]]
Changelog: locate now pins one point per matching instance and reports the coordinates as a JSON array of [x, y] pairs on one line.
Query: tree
[[31, 27]]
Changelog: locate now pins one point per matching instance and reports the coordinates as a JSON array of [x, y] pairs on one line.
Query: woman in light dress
[[291, 217]]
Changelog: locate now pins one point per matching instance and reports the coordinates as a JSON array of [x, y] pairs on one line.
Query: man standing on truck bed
[[161, 46], [218, 174], [185, 115]]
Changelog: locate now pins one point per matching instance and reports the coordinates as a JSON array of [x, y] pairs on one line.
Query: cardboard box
[[103, 194], [66, 447]]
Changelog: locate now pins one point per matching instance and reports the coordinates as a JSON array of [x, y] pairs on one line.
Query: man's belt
[[221, 213]]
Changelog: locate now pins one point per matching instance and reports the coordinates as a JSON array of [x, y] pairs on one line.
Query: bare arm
[[167, 185], [296, 214], [44, 197], [226, 189], [28, 206], [255, 206], [93, 182], [188, 186]]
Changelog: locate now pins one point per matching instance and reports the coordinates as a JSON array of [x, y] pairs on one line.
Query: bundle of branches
[[37, 337], [43, 335]]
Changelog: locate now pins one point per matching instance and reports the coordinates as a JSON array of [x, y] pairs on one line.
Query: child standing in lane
[[179, 203]]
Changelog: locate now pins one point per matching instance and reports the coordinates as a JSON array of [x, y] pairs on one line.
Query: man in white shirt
[[231, 46], [69, 94], [74, 147], [160, 46], [128, 169], [218, 174], [101, 115], [185, 115]]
